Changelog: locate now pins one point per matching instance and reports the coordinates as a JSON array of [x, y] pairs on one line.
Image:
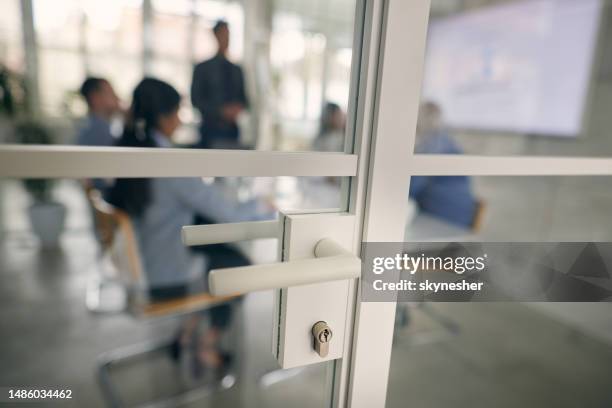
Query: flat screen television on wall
[[521, 67]]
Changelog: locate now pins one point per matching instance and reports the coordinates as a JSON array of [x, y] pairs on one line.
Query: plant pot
[[47, 220]]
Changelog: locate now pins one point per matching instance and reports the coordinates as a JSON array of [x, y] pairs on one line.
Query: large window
[[311, 49], [296, 57], [108, 39], [11, 52]]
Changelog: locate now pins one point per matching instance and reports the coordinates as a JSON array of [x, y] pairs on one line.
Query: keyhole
[[324, 336]]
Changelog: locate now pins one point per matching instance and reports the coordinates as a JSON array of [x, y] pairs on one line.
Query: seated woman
[[446, 197], [160, 207]]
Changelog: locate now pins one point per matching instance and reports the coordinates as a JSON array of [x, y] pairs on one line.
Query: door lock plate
[[298, 308]]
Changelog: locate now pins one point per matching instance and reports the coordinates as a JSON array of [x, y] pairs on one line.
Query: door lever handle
[[193, 235], [314, 282], [331, 263]]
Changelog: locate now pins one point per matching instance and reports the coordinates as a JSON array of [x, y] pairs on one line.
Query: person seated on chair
[[446, 197], [102, 105], [160, 207]]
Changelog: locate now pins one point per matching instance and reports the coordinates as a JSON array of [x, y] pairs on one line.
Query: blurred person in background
[[329, 139], [447, 197], [102, 106], [7, 100], [159, 208], [331, 129], [218, 92]]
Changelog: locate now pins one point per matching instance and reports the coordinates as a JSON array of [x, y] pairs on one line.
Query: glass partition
[[506, 353], [517, 78], [92, 293], [295, 63]]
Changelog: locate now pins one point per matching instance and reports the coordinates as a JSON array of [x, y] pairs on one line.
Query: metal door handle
[[331, 262], [221, 233]]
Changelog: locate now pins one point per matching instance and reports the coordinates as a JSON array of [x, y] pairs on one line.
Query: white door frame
[[389, 86], [392, 66], [113, 162]]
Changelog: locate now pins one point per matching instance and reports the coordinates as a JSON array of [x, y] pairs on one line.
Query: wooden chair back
[[479, 214], [116, 232]]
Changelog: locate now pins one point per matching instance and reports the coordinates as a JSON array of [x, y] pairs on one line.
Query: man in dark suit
[[217, 91]]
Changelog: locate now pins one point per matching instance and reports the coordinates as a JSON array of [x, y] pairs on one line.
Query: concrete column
[[83, 48], [257, 70], [147, 37], [31, 57]]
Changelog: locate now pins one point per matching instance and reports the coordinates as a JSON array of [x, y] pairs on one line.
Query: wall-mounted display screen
[[520, 67]]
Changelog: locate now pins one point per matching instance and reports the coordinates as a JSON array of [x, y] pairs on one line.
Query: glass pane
[[56, 91], [171, 34], [527, 209], [506, 354], [67, 276], [113, 29], [517, 78], [500, 354], [126, 69], [57, 23], [283, 83]]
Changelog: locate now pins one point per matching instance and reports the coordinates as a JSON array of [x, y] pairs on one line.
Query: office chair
[[119, 240]]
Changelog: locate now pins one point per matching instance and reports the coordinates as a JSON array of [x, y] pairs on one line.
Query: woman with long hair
[[159, 208]]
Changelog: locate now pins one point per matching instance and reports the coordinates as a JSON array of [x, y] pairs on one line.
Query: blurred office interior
[[63, 303]]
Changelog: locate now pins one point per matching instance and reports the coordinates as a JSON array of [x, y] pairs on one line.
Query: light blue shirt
[[174, 203], [446, 197], [95, 131]]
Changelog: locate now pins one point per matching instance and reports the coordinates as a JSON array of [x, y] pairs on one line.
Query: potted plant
[[47, 216]]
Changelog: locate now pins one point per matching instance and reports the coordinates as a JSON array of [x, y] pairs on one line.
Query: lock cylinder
[[322, 335]]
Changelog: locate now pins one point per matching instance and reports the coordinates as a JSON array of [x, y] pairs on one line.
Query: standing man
[[217, 91]]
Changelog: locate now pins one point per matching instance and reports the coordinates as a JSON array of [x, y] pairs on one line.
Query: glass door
[[297, 61], [499, 116], [333, 59]]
